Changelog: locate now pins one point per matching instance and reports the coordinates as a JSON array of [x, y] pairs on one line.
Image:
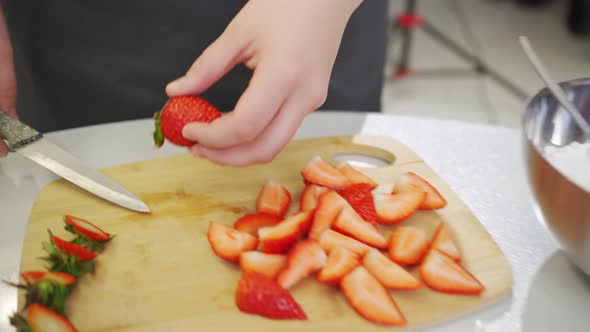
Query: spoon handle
[[555, 89]]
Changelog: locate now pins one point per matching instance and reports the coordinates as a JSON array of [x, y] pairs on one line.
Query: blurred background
[[464, 60]]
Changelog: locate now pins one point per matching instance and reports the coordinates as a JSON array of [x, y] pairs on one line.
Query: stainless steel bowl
[[560, 203]]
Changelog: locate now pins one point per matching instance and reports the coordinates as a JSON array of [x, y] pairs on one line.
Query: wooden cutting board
[[160, 274]]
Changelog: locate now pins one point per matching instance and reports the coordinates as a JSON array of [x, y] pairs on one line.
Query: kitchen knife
[[26, 141]]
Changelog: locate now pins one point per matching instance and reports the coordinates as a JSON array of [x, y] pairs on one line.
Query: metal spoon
[[553, 87]]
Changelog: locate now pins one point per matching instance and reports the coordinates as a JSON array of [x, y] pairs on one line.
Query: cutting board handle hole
[[360, 160]]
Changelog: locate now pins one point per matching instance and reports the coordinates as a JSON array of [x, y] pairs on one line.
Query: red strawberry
[[330, 240], [273, 199], [360, 197], [266, 264], [340, 262], [319, 172], [443, 241], [39, 318], [261, 295], [278, 239], [251, 222], [388, 272], [440, 272], [407, 245], [355, 176], [81, 253], [393, 209], [412, 182], [370, 299], [178, 112], [32, 277], [310, 196], [329, 206], [229, 243], [304, 259], [350, 223], [86, 228]]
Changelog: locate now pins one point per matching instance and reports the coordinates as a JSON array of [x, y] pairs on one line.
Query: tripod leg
[[406, 22]]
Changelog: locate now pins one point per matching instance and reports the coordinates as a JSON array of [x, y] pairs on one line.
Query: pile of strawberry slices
[[335, 236]]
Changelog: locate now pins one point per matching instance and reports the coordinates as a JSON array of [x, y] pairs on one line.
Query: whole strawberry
[[178, 112]]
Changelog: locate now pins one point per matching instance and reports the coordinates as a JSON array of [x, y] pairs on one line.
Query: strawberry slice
[[86, 228], [273, 199], [407, 245], [350, 223], [310, 196], [393, 209], [262, 263], [360, 197], [340, 262], [251, 222], [32, 277], [388, 273], [229, 243], [356, 177], [306, 258], [317, 171], [370, 299], [331, 240], [81, 253], [409, 181], [329, 206], [441, 273], [39, 318], [261, 295], [278, 239], [443, 241]]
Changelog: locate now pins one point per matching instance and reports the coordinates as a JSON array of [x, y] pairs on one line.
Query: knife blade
[[31, 144]]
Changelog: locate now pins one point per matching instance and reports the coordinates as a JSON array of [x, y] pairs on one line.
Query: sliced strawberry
[[278, 239], [319, 172], [251, 222], [350, 223], [440, 272], [261, 295], [340, 262], [329, 206], [393, 209], [81, 253], [43, 319], [86, 228], [407, 245], [390, 274], [266, 264], [273, 199], [355, 176], [229, 243], [444, 242], [306, 258], [331, 240], [370, 299], [32, 277], [409, 181], [310, 196], [360, 197]]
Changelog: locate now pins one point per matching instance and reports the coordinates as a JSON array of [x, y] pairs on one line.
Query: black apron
[[82, 62]]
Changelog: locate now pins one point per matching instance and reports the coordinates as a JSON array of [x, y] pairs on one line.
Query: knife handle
[[16, 133]]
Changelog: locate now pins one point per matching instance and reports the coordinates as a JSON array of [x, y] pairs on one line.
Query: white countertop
[[483, 164]]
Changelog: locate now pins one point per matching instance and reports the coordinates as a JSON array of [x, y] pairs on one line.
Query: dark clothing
[[82, 62]]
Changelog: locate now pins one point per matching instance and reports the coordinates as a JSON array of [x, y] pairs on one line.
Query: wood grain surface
[[160, 274]]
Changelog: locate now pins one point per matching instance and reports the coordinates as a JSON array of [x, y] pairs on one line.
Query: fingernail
[[174, 84]]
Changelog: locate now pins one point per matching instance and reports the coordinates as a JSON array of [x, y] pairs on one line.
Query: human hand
[[291, 46], [7, 78]]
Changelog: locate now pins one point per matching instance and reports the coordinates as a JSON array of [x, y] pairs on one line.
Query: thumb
[[218, 59]]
